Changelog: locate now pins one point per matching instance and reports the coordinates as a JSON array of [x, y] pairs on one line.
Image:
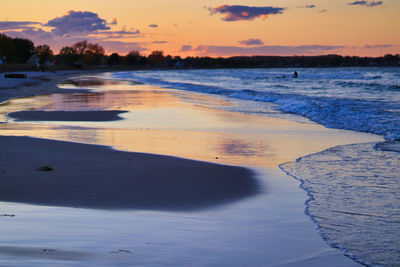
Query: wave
[[340, 99], [353, 199]]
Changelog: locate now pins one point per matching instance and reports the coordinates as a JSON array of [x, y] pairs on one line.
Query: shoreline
[[318, 243], [213, 189], [37, 83]]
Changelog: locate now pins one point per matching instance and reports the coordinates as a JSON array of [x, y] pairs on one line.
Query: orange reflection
[[176, 123]]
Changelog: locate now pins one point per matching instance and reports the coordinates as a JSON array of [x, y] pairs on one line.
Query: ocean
[[354, 190]]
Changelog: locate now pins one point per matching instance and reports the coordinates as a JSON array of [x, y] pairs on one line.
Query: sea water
[[354, 190]]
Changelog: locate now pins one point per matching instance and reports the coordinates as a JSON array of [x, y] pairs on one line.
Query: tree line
[[83, 54]]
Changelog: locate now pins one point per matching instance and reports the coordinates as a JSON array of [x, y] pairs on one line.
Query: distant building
[[34, 60]]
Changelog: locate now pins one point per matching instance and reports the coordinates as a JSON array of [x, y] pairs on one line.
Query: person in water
[[295, 75]]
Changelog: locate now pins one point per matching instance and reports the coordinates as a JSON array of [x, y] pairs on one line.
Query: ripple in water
[[355, 199]]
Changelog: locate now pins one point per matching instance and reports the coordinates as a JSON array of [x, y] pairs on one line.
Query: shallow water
[[359, 99], [266, 230], [176, 123], [355, 199], [184, 124]]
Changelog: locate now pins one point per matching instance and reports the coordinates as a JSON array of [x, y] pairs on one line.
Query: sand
[[36, 83], [77, 175], [145, 209]]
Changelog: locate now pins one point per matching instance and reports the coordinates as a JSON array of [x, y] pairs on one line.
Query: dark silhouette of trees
[[16, 50], [67, 56], [133, 58], [7, 48], [81, 53], [93, 54], [156, 58], [80, 47], [19, 50], [113, 60], [44, 53], [25, 49]]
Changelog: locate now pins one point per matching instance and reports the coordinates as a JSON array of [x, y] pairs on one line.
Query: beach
[[153, 176]]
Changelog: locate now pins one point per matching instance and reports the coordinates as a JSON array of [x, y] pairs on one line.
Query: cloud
[[122, 47], [35, 34], [153, 26], [307, 6], [236, 12], [159, 42], [251, 41], [116, 34], [361, 3], [366, 3], [186, 48], [77, 21], [16, 25], [114, 21], [379, 46], [373, 3], [266, 50]]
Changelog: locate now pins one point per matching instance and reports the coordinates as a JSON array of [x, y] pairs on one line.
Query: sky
[[210, 27]]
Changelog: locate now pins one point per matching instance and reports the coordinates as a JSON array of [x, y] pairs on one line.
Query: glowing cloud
[[77, 21], [251, 41], [186, 48], [16, 25], [366, 3], [236, 12], [307, 6], [266, 50]]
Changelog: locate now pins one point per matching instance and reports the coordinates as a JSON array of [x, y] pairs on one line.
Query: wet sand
[[174, 221], [57, 173]]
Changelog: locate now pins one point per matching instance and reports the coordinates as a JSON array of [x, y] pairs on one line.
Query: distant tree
[[24, 49], [169, 61], [114, 59], [133, 58], [68, 56], [44, 53], [7, 48], [93, 54], [156, 58], [80, 47]]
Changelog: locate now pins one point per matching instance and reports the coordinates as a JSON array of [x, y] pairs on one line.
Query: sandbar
[[56, 173]]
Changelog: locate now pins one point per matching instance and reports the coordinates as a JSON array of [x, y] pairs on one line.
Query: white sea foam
[[353, 189], [359, 99], [354, 199]]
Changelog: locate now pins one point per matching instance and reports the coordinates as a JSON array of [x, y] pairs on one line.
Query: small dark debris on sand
[[121, 251], [45, 169], [15, 75]]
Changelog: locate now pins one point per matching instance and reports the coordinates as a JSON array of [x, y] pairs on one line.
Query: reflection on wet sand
[[172, 122], [85, 82]]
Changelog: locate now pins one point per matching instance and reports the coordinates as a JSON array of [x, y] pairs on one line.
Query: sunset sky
[[210, 27]]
